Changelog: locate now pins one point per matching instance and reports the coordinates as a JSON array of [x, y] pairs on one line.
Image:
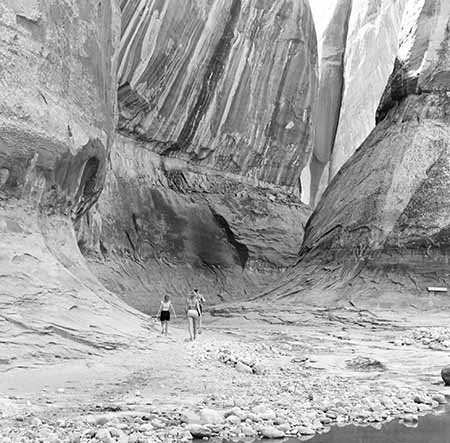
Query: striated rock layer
[[383, 222], [164, 225], [57, 122], [229, 84], [215, 115], [358, 51]]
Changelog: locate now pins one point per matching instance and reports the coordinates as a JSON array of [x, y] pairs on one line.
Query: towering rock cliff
[[215, 122], [358, 52], [383, 221], [54, 141], [330, 93]]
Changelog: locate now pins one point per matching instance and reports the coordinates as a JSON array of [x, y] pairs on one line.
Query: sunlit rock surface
[[215, 120], [330, 93], [57, 121], [358, 51], [383, 222], [372, 45]]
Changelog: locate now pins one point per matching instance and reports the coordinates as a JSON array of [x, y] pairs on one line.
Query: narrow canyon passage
[[286, 159]]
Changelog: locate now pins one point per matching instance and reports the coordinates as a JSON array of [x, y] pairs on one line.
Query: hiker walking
[[192, 315], [201, 300], [164, 314]]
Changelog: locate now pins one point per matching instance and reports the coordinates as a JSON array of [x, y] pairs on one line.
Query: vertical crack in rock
[[241, 249], [212, 76]]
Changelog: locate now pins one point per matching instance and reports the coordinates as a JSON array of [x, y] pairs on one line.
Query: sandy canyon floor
[[257, 370]]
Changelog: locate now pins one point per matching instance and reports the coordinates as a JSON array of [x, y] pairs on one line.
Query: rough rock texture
[[54, 140], [383, 222], [164, 225], [229, 84], [215, 116], [358, 51]]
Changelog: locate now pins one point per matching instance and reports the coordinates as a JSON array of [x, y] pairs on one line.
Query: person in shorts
[[164, 314], [201, 300]]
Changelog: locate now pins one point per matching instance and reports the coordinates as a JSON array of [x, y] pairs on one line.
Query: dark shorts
[[165, 316]]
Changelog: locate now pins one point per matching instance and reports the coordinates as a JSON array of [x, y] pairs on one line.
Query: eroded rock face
[[164, 225], [229, 84], [53, 135], [358, 53], [383, 220], [57, 121], [215, 116]]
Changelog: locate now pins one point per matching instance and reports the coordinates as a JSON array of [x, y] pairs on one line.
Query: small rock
[[198, 431], [439, 398], [233, 419], [272, 432], [157, 424], [146, 427], [241, 367], [98, 420], [306, 430], [365, 364]]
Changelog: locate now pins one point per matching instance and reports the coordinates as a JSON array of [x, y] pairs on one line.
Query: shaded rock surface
[[163, 225], [54, 141], [204, 187], [383, 221]]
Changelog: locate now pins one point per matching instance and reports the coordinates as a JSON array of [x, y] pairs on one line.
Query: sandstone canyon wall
[[216, 105], [382, 224], [57, 122], [358, 52]]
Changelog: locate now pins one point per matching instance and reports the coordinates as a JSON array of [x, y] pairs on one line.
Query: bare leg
[[191, 323], [195, 326], [162, 328], [166, 326]]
